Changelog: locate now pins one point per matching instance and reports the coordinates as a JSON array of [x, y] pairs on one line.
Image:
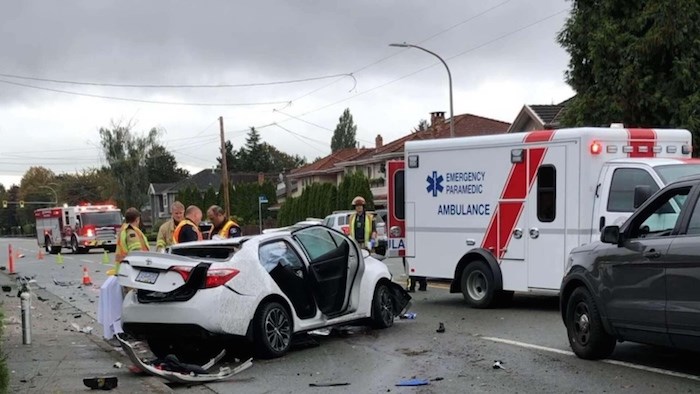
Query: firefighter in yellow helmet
[[363, 229]]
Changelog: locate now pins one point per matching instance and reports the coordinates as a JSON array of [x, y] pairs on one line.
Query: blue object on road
[[414, 382]]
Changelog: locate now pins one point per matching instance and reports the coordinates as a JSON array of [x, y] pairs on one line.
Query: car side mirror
[[641, 194], [610, 235]]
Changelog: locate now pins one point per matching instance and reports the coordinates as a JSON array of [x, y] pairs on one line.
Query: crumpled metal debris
[[498, 364]]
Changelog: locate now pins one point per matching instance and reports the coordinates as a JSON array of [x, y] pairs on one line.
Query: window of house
[[546, 193], [624, 180]]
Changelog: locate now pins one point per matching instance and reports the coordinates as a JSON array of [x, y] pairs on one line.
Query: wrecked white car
[[203, 296]]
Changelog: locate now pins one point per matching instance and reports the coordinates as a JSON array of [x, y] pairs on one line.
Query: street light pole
[[55, 195], [449, 76]]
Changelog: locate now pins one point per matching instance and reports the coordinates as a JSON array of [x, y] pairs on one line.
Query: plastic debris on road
[[498, 365], [413, 382], [408, 316], [441, 328]]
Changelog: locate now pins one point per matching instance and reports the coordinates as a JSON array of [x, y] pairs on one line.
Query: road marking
[[87, 261], [607, 361]]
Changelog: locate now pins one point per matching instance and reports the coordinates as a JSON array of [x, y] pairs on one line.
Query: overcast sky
[[502, 54]]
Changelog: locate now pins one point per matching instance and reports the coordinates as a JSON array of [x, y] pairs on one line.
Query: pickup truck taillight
[[215, 277]]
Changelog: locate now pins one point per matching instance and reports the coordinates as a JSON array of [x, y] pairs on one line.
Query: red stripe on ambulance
[[517, 187], [642, 138]]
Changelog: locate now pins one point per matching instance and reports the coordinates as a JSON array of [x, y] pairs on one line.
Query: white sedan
[[264, 288]]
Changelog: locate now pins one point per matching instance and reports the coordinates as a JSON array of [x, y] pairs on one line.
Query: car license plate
[[147, 277]]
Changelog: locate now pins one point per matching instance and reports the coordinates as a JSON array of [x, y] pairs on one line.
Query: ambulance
[[499, 214], [79, 228]]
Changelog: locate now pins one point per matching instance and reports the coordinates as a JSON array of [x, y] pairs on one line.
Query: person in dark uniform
[[188, 228]]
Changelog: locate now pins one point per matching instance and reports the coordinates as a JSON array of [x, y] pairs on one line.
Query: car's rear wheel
[[587, 336], [272, 330], [478, 287], [382, 307]]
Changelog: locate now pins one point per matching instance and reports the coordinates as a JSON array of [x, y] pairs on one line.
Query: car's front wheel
[[587, 336], [382, 307], [272, 330]]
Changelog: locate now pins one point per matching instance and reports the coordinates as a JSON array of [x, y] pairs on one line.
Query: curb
[[154, 383]]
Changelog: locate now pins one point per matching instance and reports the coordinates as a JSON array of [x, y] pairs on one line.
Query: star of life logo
[[434, 183]]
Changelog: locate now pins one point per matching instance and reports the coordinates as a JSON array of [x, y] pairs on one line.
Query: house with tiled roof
[[323, 170], [373, 163], [539, 117]]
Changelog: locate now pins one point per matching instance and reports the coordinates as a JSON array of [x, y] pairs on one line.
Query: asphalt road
[[528, 337]]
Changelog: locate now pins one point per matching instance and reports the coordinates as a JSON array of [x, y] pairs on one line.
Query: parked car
[[265, 288], [340, 220], [639, 283]]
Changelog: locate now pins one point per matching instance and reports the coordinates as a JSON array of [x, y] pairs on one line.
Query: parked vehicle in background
[[339, 220], [79, 228], [201, 296], [638, 283]]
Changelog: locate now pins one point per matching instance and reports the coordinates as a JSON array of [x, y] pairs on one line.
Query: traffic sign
[[262, 200]]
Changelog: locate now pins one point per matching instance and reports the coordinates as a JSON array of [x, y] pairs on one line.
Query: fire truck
[[78, 228], [499, 213]]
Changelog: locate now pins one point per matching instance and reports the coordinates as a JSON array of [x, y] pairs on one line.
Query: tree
[[93, 186], [257, 156], [633, 62], [126, 155], [162, 166], [344, 134], [422, 126]]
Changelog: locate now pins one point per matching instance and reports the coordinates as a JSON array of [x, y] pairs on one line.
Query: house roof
[[327, 164], [464, 125], [545, 115], [159, 188]]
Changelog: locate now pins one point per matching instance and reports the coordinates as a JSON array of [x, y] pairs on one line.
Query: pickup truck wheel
[[272, 330], [111, 249], [478, 286], [587, 336]]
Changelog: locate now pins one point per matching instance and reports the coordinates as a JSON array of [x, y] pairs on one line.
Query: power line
[[141, 100], [325, 144], [177, 86], [436, 63], [314, 124]]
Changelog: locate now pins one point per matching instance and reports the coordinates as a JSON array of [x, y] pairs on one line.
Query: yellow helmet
[[358, 201]]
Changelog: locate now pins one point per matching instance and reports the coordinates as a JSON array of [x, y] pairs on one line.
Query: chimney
[[261, 178], [379, 141], [437, 118]]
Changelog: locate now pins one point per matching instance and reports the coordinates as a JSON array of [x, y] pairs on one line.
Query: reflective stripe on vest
[[178, 229], [122, 242], [368, 226], [227, 227]]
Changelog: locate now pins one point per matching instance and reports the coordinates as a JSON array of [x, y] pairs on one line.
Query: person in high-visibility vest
[[188, 229], [166, 230], [109, 309], [363, 228], [221, 227]]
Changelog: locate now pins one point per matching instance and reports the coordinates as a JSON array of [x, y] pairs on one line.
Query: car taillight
[[218, 277], [183, 271], [346, 230], [215, 277]]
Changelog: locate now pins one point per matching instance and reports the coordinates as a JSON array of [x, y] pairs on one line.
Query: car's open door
[[333, 265]]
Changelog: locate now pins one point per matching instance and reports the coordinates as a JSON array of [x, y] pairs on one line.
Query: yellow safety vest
[[223, 233], [178, 229], [368, 226], [123, 246]]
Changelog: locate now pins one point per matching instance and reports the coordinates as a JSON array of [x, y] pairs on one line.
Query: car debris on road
[[185, 373]]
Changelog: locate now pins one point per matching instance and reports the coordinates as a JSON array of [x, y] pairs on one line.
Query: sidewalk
[[58, 357]]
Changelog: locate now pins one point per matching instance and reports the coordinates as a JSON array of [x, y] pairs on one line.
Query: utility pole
[[224, 168]]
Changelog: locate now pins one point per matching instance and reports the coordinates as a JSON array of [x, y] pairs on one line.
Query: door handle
[[652, 254]]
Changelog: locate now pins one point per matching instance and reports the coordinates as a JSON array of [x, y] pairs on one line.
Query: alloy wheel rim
[[582, 323], [277, 330], [386, 307], [477, 285]]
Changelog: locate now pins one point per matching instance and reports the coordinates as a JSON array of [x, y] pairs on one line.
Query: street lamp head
[[404, 45]]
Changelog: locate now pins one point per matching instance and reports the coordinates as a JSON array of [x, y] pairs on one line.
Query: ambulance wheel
[[477, 285]]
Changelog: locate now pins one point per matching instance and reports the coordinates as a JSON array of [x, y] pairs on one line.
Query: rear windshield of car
[[219, 252]]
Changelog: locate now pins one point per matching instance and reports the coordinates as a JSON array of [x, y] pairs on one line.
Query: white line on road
[[607, 361], [87, 261]]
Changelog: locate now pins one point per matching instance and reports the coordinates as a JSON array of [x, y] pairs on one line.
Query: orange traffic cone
[[11, 261], [40, 255], [86, 277]]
